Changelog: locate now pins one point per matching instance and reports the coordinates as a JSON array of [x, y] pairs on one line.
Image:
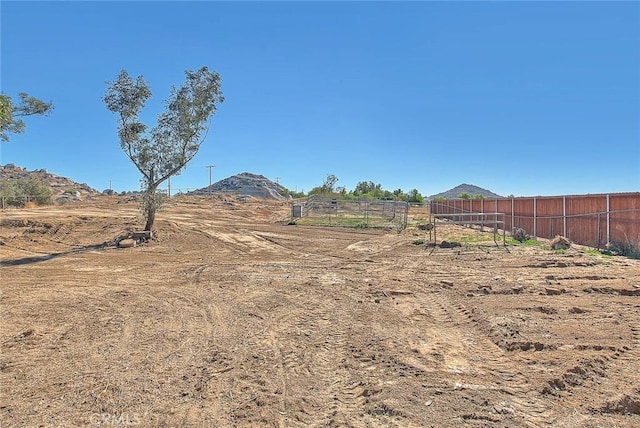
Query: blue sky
[[523, 98]]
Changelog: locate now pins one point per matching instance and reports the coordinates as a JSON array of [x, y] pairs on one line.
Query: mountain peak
[[245, 184], [470, 189]]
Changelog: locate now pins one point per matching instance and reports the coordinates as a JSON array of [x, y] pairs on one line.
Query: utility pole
[[210, 167]]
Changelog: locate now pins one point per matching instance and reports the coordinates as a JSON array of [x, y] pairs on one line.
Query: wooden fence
[[592, 220]]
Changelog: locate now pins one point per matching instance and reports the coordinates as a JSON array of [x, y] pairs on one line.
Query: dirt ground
[[233, 318]]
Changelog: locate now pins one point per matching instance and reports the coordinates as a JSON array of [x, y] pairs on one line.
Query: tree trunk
[[150, 208], [151, 217]]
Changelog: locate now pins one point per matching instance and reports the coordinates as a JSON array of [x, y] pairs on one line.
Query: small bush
[[519, 234], [625, 248], [531, 242], [428, 226]]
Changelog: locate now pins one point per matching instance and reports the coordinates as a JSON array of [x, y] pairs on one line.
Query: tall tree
[[415, 196], [167, 148], [11, 113], [329, 183]]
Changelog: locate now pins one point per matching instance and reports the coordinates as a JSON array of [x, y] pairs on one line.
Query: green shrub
[[529, 242], [17, 192], [593, 252]]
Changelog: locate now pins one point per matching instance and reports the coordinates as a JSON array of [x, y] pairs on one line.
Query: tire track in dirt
[[282, 353], [335, 392], [343, 392], [621, 365], [463, 350], [595, 379], [281, 369], [455, 325], [271, 362], [310, 346], [236, 239]]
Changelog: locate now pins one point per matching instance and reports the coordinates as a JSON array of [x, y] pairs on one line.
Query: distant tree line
[[466, 195], [363, 190]]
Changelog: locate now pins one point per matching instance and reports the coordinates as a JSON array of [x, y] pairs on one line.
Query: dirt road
[[232, 318]]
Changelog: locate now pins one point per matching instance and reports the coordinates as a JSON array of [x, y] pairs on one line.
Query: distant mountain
[[245, 184], [466, 188]]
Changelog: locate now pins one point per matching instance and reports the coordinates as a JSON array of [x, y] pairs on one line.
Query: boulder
[[127, 243]]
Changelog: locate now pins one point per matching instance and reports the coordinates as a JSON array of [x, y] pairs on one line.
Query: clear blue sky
[[524, 98]]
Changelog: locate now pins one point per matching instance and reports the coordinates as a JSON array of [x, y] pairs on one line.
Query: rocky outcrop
[[63, 189], [245, 185]]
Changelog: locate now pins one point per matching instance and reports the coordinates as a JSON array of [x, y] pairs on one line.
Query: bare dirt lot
[[233, 318]]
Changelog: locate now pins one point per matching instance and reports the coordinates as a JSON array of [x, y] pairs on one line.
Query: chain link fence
[[319, 211]]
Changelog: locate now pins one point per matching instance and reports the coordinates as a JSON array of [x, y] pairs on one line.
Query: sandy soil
[[233, 318]]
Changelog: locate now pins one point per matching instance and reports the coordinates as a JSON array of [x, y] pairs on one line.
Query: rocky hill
[[245, 184], [63, 189], [466, 188]]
